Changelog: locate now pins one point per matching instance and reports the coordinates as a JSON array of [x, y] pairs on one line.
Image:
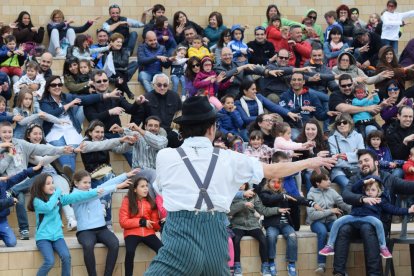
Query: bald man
[[45, 63], [152, 57]]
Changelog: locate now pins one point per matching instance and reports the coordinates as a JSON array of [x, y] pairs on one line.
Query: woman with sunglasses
[[72, 78], [214, 29], [388, 61], [391, 22], [344, 143], [193, 67], [68, 107]]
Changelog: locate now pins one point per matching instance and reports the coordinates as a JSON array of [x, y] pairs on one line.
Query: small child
[[197, 49], [283, 141], [12, 58], [230, 121], [26, 107], [209, 83], [364, 119], [164, 35], [33, 81], [46, 202], [139, 218], [257, 149], [373, 21], [240, 49], [178, 67], [7, 116], [274, 34], [85, 71], [408, 166], [81, 48], [332, 205], [4, 32], [273, 195], [372, 187], [376, 142]]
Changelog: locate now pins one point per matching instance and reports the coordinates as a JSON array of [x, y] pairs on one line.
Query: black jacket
[[262, 52], [395, 136]]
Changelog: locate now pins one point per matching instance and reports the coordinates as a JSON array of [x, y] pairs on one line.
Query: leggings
[[255, 233], [131, 243]]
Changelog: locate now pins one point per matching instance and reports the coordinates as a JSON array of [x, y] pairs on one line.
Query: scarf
[[246, 108]]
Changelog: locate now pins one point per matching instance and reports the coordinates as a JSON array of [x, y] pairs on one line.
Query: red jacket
[[304, 49], [131, 223], [274, 35], [407, 165]]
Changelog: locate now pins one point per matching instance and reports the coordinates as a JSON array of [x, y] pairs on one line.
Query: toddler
[[178, 67], [230, 121], [164, 35], [12, 58], [240, 49], [364, 121], [81, 49], [257, 149], [85, 71], [33, 81], [197, 49], [408, 166]]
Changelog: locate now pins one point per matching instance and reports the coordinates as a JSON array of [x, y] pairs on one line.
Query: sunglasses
[[114, 6], [54, 85], [259, 28], [102, 81], [195, 65], [346, 85], [342, 123], [393, 89], [312, 17], [165, 85], [285, 58]]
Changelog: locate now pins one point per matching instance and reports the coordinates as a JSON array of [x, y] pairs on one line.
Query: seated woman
[[344, 143], [180, 21], [334, 46], [28, 34], [214, 29], [62, 34], [68, 107]]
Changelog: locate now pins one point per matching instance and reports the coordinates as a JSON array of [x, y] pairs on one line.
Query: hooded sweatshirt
[[316, 27], [238, 47]]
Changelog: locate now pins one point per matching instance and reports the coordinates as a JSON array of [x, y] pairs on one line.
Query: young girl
[[12, 58], [334, 46], [91, 220], [178, 67], [139, 218], [85, 69], [164, 35], [257, 149], [208, 82], [273, 195], [371, 186], [365, 121], [26, 108], [245, 223], [283, 141], [373, 21], [81, 48], [46, 202], [274, 34], [376, 142]]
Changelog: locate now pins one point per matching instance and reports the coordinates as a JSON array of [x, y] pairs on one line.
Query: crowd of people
[[295, 93]]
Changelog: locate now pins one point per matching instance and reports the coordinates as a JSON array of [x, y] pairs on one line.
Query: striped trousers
[[192, 245]]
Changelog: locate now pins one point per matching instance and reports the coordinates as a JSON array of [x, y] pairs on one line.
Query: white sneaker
[[72, 224], [183, 98]]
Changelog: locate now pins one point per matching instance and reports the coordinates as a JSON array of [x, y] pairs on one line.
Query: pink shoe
[[385, 253], [327, 251]]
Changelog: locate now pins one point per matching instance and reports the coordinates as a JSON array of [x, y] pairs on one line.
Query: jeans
[[145, 79], [132, 67], [255, 233], [128, 154], [19, 190], [353, 231], [392, 43], [55, 41], [321, 229], [88, 239], [349, 219], [130, 42], [66, 159], [6, 234], [178, 79], [341, 180], [291, 241], [107, 198], [47, 248], [306, 176]]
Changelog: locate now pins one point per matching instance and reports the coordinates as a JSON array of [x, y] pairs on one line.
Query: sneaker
[[24, 234], [272, 268], [265, 269], [183, 98], [327, 251], [72, 224], [237, 269], [291, 269], [321, 269], [385, 253]]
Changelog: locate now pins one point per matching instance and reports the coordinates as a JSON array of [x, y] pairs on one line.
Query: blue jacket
[[229, 122], [254, 110], [50, 227], [89, 214], [5, 185], [49, 105], [147, 58], [294, 103]]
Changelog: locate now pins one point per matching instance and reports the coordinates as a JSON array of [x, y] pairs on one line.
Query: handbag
[[348, 171], [101, 171]]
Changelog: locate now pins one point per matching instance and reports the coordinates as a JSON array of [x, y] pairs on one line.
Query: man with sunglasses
[[263, 50]]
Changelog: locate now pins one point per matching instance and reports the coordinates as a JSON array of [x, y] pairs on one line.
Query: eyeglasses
[[342, 123], [393, 89], [195, 65], [54, 85], [159, 85], [312, 17], [102, 81], [285, 58], [346, 85]]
